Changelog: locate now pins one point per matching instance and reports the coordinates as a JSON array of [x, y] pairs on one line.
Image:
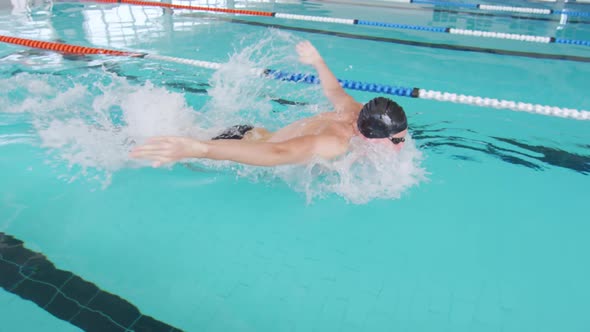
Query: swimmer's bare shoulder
[[330, 143], [330, 146]]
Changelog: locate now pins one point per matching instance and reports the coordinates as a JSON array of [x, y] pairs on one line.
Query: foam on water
[[90, 123], [369, 171], [239, 94], [92, 127]]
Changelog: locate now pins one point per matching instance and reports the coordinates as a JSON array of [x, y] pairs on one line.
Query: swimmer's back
[[330, 123]]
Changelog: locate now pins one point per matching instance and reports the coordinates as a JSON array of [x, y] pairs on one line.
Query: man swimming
[[326, 135]]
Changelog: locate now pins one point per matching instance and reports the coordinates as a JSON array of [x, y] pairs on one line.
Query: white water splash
[[93, 127], [239, 94], [91, 124], [367, 172]]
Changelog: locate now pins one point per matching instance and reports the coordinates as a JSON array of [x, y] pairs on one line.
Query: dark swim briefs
[[235, 132]]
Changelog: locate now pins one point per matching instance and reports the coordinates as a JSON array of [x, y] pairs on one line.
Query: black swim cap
[[381, 118]]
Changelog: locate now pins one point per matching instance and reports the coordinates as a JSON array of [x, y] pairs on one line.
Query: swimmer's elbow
[[304, 149], [292, 152], [282, 150], [287, 153]]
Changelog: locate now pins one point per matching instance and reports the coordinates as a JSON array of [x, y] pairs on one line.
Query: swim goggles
[[397, 140]]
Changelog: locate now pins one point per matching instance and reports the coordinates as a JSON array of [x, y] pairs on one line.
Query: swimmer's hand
[[342, 101], [308, 54], [165, 150]]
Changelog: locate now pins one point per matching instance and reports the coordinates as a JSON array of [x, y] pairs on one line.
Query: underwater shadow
[[539, 158]]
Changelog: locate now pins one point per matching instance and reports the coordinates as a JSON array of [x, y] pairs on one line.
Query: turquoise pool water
[[485, 229]]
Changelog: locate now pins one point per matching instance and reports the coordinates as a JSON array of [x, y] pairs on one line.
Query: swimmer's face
[[396, 141]]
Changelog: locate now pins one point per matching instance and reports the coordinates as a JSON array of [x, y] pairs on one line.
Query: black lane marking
[[414, 43], [65, 295]]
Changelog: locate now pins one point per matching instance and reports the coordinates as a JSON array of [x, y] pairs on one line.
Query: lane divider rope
[[176, 6], [412, 92], [64, 48], [196, 63], [453, 31], [512, 9], [441, 96], [525, 10]]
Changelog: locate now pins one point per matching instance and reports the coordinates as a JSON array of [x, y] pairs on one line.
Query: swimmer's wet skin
[[326, 135]]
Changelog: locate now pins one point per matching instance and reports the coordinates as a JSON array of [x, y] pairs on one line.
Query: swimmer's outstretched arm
[[165, 150], [342, 101]]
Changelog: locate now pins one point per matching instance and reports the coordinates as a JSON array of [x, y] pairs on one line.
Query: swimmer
[[326, 135]]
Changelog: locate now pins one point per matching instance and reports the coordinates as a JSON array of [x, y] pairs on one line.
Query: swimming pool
[[481, 227]]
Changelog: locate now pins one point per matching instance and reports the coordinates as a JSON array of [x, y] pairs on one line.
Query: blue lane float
[[346, 84], [411, 92], [434, 95]]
